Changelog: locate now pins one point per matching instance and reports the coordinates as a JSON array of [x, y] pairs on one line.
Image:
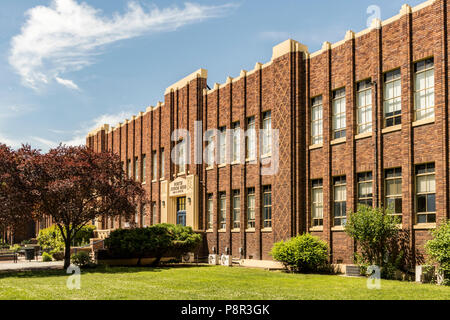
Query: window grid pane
[[392, 98], [424, 89], [426, 193], [317, 121]]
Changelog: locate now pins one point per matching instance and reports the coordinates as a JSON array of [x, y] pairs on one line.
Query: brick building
[[364, 120]]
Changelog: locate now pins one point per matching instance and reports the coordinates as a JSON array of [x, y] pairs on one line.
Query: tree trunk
[[67, 253]]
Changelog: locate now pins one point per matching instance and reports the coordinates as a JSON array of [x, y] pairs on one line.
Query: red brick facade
[[285, 86]]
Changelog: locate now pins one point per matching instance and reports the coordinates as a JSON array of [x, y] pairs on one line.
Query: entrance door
[[181, 211]]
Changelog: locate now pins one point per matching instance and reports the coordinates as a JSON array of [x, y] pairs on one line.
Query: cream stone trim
[[338, 141], [424, 226], [423, 122], [287, 46], [392, 129], [349, 35], [236, 230], [266, 230], [258, 66], [315, 229], [423, 5], [316, 146], [94, 132], [338, 228], [200, 73], [363, 135]]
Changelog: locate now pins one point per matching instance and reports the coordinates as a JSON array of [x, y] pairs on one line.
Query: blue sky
[[67, 66]]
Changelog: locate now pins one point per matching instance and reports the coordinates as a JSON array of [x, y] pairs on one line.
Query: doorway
[[181, 211]]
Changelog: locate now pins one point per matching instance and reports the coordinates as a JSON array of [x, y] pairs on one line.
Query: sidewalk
[[24, 265]]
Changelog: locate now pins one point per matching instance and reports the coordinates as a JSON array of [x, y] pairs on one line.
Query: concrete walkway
[[30, 266]]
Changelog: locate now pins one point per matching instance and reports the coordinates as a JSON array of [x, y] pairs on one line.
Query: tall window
[[181, 156], [222, 144], [392, 98], [365, 193], [364, 106], [425, 193], [209, 212], [222, 210], [136, 169], [316, 120], [154, 213], [267, 133], [393, 182], [340, 198], [339, 120], [154, 166], [236, 142], [210, 151], [267, 206], [424, 89], [143, 213], [129, 169], [144, 168], [250, 151], [236, 209], [250, 208], [317, 202], [162, 164]]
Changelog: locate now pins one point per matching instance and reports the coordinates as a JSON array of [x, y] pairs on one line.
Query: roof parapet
[[287, 46], [200, 73]]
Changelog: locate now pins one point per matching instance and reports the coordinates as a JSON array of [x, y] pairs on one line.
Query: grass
[[205, 282]]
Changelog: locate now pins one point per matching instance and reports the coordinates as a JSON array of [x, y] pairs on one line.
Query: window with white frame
[[392, 98], [162, 164], [425, 193], [267, 206], [143, 168], [136, 169], [143, 213], [222, 145], [236, 209], [316, 120], [209, 211], [365, 189], [267, 133], [393, 186], [181, 157], [339, 117], [364, 106], [424, 89], [154, 165], [340, 200], [129, 169], [154, 213], [250, 208], [222, 210], [236, 142], [210, 151], [250, 152], [317, 202]]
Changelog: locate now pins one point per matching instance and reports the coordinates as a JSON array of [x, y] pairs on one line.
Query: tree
[[17, 196], [439, 250], [374, 230], [76, 185]]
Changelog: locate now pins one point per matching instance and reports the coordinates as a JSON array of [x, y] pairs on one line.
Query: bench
[[6, 255]]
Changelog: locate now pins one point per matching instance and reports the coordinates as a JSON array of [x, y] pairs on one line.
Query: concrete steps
[[352, 271]]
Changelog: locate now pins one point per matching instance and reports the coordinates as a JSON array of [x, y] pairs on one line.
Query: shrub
[[153, 242], [46, 257], [57, 255], [304, 253], [51, 238], [375, 232], [15, 248], [439, 250], [81, 259]]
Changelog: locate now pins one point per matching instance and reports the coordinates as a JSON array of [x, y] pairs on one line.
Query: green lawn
[[205, 282]]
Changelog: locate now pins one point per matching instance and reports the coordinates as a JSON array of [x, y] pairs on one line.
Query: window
[[154, 166], [181, 157], [425, 193], [424, 89], [316, 120], [267, 133], [143, 213], [339, 122], [222, 144], [250, 151], [162, 164], [364, 106], [251, 208], [340, 198], [154, 213], [365, 194], [236, 209], [392, 98], [393, 183], [236, 142], [222, 211], [143, 168], [136, 169], [209, 212], [129, 169], [210, 152], [267, 206], [317, 202]]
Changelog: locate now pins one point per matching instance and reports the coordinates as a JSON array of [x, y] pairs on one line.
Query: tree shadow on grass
[[101, 269]]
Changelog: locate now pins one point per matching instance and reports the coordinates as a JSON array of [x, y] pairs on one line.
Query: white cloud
[[11, 142], [66, 35], [45, 142]]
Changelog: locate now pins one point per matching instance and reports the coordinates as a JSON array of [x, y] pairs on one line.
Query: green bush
[[153, 242], [57, 255], [439, 250], [81, 259], [51, 238], [15, 248], [304, 253], [46, 257]]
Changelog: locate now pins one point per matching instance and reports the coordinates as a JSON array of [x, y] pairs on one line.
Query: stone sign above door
[[178, 187]]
